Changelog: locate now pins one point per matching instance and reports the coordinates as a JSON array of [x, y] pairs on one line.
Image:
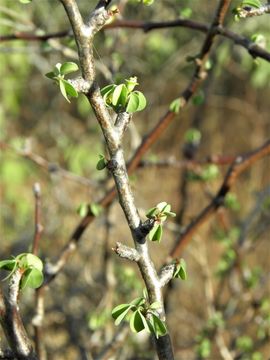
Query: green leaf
[[170, 213], [96, 209], [32, 278], [119, 96], [175, 105], [70, 90], [138, 301], [198, 99], [180, 271], [8, 264], [159, 326], [148, 2], [142, 100], [25, 1], [27, 260], [102, 163], [57, 69], [186, 13], [252, 3], [63, 90], [107, 89], [135, 322], [152, 212], [131, 83], [193, 136], [162, 205], [120, 312], [83, 209], [133, 103], [107, 92], [68, 68], [155, 234], [51, 75], [155, 305]]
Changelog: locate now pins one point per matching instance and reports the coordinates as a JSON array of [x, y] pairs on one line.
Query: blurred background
[[224, 304]]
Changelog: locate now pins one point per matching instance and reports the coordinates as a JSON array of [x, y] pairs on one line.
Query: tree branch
[[11, 321], [241, 164]]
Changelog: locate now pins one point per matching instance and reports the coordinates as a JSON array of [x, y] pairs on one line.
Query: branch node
[[166, 274]]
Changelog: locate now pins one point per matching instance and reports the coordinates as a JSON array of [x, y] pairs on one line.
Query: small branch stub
[[126, 252]]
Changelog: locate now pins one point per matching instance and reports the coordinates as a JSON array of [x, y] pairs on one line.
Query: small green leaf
[[51, 75], [148, 2], [25, 1], [119, 96], [252, 3], [138, 301], [120, 312], [96, 209], [27, 260], [159, 326], [155, 234], [135, 322], [68, 68], [63, 90], [133, 103], [193, 136], [102, 163], [152, 212], [32, 278], [175, 105], [131, 83], [162, 206], [83, 209], [180, 271], [170, 213], [8, 264], [57, 69], [70, 90], [186, 13], [107, 89], [198, 99], [142, 100], [155, 305]]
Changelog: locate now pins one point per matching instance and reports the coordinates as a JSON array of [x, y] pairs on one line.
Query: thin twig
[[241, 164]]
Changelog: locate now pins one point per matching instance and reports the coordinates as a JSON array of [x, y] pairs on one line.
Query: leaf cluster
[[141, 316], [58, 75], [31, 267], [123, 98], [159, 214]]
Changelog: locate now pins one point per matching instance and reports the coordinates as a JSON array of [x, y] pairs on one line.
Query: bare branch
[[11, 321]]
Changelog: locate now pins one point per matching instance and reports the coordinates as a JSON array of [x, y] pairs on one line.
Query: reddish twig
[[254, 49], [240, 164], [38, 225]]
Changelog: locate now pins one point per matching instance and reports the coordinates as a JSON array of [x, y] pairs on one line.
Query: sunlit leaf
[[7, 264], [68, 68], [155, 234], [136, 323], [27, 260], [120, 312], [142, 100], [133, 103], [63, 90], [32, 278]]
